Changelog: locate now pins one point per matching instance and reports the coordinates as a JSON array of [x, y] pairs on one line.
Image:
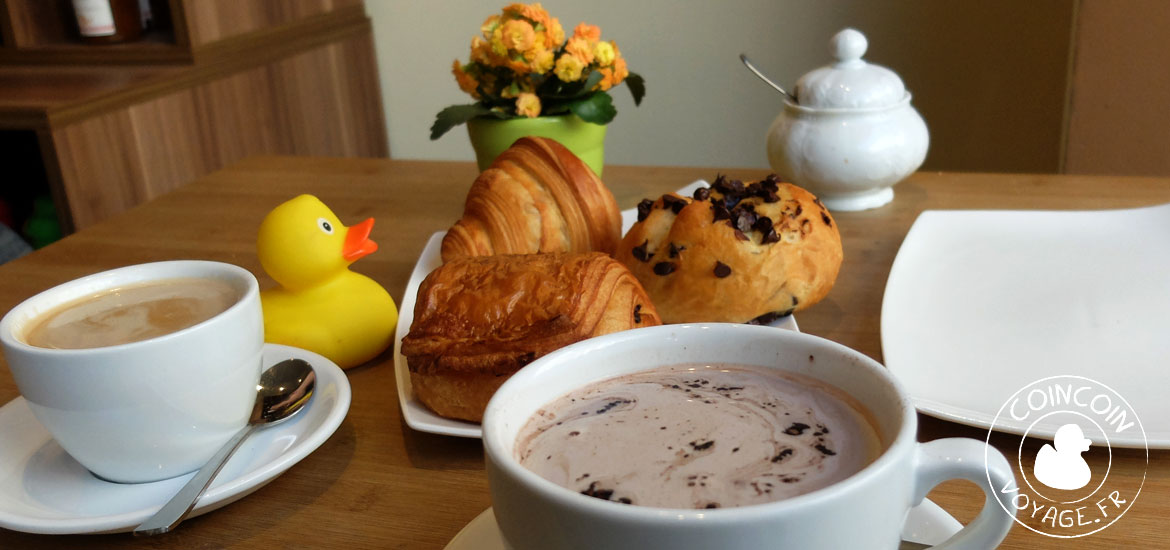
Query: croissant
[[478, 320], [536, 197]]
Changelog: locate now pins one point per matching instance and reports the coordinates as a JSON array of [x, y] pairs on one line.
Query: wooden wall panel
[[322, 102], [211, 20], [1119, 110]]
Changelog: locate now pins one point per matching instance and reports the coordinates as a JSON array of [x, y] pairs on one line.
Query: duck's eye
[[325, 226]]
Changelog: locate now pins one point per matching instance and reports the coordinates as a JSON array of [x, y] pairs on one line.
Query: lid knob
[[848, 47]]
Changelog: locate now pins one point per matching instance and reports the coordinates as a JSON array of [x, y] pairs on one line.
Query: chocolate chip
[[595, 492], [638, 313], [674, 203], [644, 208], [798, 210], [770, 236], [824, 450], [625, 500], [702, 446], [784, 453], [739, 235], [825, 218], [796, 428], [711, 505], [763, 224], [702, 193], [767, 318], [640, 252], [721, 269], [805, 227], [574, 433], [664, 268], [674, 250], [795, 301], [745, 219], [719, 212]]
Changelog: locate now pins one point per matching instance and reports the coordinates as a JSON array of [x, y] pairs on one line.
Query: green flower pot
[[490, 137]]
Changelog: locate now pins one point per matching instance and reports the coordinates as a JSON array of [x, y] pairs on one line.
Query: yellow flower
[[591, 33], [527, 104], [518, 35], [579, 48], [543, 62], [466, 81], [604, 54], [568, 68], [556, 34], [497, 42]]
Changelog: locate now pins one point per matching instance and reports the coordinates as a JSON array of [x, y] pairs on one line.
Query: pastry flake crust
[[477, 320]]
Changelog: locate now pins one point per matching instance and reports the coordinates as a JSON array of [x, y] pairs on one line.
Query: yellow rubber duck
[[321, 305]]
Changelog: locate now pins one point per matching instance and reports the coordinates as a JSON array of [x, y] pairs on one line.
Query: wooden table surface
[[378, 484]]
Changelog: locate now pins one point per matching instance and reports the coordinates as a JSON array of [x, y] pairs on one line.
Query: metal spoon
[[747, 62], [284, 390]]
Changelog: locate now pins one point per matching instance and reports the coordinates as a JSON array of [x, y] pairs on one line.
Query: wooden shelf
[[120, 124]]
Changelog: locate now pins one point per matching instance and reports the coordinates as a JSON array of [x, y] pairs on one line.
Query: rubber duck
[[320, 304], [1063, 467]]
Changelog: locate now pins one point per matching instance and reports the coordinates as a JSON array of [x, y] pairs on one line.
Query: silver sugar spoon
[[748, 63], [284, 389]]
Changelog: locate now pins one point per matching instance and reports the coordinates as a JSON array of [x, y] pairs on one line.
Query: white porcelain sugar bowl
[[851, 134]]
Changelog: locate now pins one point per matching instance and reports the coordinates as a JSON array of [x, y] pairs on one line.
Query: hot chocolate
[[700, 437], [132, 313]]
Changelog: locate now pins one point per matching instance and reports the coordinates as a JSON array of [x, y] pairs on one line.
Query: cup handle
[[964, 458]]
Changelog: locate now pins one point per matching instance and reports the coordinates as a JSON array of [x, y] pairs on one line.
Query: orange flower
[[528, 105], [518, 35], [606, 79], [620, 70], [533, 11], [481, 51], [466, 81], [579, 47], [592, 33]]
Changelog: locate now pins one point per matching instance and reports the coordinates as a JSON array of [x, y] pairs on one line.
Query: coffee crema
[[131, 313], [700, 436]]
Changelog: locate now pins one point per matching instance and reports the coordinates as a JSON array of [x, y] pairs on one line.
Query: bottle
[[108, 21]]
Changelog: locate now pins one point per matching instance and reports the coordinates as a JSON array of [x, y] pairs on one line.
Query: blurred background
[[1004, 85]]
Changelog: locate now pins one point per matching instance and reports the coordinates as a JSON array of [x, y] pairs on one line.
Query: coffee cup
[[150, 409], [864, 510]]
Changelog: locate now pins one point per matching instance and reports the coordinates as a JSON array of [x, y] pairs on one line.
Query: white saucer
[[43, 490], [925, 524], [417, 415]]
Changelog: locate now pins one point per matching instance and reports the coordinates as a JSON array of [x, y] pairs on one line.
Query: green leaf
[[591, 82], [637, 86], [455, 115], [596, 108]]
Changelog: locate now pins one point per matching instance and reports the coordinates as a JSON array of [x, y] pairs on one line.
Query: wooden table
[[378, 484]]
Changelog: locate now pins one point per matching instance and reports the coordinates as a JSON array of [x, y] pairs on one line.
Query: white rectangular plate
[[981, 303], [417, 415]]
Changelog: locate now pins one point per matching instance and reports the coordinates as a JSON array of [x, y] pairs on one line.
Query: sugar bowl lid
[[850, 83]]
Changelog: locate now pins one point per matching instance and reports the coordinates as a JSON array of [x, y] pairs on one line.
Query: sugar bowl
[[851, 134]]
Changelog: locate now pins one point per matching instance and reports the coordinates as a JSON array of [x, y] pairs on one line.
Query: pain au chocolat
[[733, 252], [478, 320], [537, 196]]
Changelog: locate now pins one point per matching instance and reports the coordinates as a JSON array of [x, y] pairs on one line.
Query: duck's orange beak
[[357, 241]]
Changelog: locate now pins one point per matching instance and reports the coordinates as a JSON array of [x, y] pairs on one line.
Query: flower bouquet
[[524, 67]]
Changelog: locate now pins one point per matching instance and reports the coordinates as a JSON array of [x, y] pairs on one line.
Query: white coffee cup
[[866, 510], [147, 410]]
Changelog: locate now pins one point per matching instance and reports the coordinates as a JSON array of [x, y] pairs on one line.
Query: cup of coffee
[[719, 436], [140, 373]]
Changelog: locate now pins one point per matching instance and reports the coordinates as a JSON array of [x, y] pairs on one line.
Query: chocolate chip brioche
[[733, 252], [480, 319]]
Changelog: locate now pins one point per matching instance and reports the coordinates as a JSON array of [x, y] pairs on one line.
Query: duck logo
[[1069, 427]]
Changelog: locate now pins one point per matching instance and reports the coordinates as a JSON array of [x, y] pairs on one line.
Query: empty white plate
[[981, 303]]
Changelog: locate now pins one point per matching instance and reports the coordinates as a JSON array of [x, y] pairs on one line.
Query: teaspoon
[[748, 63], [284, 389]]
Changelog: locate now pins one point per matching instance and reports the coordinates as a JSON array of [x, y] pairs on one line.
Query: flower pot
[[490, 137]]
